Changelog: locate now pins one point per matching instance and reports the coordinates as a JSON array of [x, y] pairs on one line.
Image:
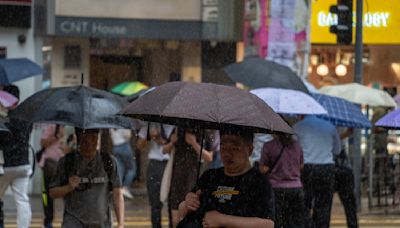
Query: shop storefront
[[333, 64]]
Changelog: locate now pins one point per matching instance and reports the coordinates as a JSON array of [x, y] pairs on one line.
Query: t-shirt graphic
[[224, 193]]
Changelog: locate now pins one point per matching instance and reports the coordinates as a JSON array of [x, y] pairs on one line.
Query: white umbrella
[[360, 94], [287, 101]]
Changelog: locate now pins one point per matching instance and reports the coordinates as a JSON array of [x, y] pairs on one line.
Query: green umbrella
[[128, 88]]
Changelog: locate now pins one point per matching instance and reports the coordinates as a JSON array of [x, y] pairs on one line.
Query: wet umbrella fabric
[[360, 94], [12, 70], [256, 73], [79, 106], [7, 99], [390, 120], [129, 88], [139, 94], [205, 105], [287, 101], [342, 112]]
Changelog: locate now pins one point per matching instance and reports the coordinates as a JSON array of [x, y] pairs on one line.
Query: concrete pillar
[[191, 61]]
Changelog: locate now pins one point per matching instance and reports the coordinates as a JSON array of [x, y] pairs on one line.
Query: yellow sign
[[381, 22]]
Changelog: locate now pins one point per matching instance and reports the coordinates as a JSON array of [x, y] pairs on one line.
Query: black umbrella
[[79, 106], [204, 105], [255, 72]]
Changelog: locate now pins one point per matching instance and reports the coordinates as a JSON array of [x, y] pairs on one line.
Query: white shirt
[[156, 150], [120, 136]]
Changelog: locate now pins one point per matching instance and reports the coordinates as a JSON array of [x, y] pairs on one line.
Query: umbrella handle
[[201, 153]]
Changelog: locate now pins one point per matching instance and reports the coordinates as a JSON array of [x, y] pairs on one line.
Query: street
[[137, 214]]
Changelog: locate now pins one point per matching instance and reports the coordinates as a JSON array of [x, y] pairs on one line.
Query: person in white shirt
[[125, 157], [161, 143]]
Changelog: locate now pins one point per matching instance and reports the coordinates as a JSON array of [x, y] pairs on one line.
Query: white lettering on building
[[72, 26], [106, 29], [88, 27], [375, 19]]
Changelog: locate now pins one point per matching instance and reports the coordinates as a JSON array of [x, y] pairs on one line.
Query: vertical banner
[[255, 34], [281, 40]]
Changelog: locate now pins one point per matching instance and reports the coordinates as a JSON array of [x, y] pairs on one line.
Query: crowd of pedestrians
[[278, 180]]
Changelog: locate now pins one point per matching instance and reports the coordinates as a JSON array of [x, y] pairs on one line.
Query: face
[[235, 152], [88, 141]]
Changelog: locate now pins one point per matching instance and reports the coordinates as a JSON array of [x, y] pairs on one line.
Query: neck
[[244, 170]]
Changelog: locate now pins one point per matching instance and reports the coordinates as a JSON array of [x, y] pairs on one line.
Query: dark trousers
[[48, 170], [155, 170], [344, 186], [318, 182], [1, 214], [289, 207]]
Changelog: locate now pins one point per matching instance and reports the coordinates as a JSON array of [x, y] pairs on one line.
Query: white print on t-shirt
[[224, 193], [94, 180]]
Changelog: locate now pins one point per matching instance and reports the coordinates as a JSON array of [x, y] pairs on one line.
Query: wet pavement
[[138, 213]]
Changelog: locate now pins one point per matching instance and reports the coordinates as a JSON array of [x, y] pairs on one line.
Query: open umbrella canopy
[[390, 120], [342, 112], [287, 101], [79, 106], [139, 94], [129, 88], [12, 70], [360, 94], [7, 99], [204, 105], [256, 73]]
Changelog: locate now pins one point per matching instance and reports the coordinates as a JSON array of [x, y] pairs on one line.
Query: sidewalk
[[138, 209]]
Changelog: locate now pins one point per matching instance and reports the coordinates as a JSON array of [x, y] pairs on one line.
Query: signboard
[[381, 22], [15, 13]]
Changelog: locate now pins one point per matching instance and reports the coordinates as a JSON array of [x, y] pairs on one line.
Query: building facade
[[109, 42]]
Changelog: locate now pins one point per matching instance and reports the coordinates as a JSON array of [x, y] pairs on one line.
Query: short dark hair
[[12, 89], [246, 134], [79, 131]]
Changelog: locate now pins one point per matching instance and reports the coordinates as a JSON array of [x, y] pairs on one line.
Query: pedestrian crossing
[[136, 220]]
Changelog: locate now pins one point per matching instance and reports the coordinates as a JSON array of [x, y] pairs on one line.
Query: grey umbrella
[[256, 73], [79, 106], [204, 105]]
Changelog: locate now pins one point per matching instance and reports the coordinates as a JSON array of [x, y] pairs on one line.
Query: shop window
[[72, 56]]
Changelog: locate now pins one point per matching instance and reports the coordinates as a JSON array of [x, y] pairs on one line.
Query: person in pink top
[[282, 160], [52, 142]]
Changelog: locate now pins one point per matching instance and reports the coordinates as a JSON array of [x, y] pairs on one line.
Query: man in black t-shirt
[[236, 195]]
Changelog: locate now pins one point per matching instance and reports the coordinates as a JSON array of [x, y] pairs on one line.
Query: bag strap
[[276, 160]]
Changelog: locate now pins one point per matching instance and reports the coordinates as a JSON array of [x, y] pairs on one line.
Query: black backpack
[[70, 165]]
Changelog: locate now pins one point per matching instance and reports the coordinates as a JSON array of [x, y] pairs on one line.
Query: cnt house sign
[[129, 28]]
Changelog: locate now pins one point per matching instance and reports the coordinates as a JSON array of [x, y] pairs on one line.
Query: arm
[[119, 206], [61, 191], [141, 144], [217, 219], [347, 133], [191, 139], [167, 148]]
